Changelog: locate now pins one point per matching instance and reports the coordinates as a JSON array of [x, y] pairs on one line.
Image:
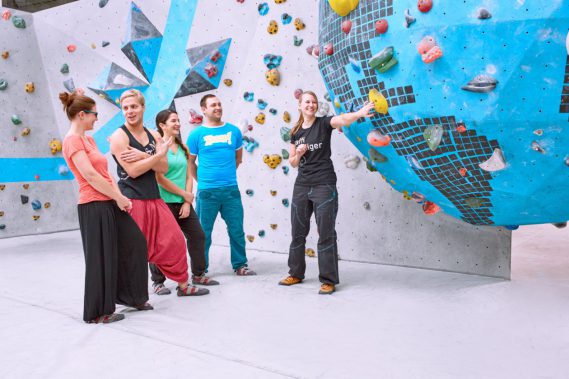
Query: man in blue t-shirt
[[218, 146]]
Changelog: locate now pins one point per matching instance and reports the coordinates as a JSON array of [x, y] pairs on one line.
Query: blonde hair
[[301, 118], [132, 93]]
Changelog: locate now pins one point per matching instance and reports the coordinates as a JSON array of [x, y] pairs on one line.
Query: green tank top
[[177, 169]]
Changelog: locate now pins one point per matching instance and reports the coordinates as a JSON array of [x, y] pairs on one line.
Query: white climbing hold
[[495, 163]]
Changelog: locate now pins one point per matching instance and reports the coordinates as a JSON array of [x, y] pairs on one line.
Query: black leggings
[[322, 200], [115, 259], [195, 240]]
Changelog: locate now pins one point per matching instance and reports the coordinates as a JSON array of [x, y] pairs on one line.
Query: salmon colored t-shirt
[[74, 143]]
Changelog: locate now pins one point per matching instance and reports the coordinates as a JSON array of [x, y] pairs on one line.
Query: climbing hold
[[460, 127], [298, 24], [286, 18], [286, 117], [30, 87], [250, 144], [274, 226], [285, 169], [537, 147], [250, 238], [377, 139], [263, 9], [430, 208], [408, 18], [3, 84], [313, 50], [215, 56], [261, 104], [356, 66], [463, 171], [272, 160], [406, 195], [418, 197], [47, 204], [64, 68], [560, 225], [260, 118], [25, 132], [297, 41], [352, 161], [425, 5], [512, 227], [329, 48], [5, 54], [63, 170], [36, 205], [36, 177], [483, 14], [366, 206], [285, 133], [285, 202], [376, 156], [210, 70], [249, 96], [297, 93], [495, 163], [370, 167], [343, 7], [105, 43], [19, 22], [273, 27], [16, 120], [102, 3], [2, 187], [273, 192], [195, 117], [481, 84], [346, 26], [71, 48], [538, 132], [69, 85], [6, 14], [25, 186], [273, 77], [55, 146], [414, 162], [284, 153], [381, 26], [429, 49], [272, 60], [261, 233], [1, 213], [384, 60], [327, 96], [280, 1], [273, 111], [249, 192], [474, 202], [24, 199], [228, 82], [379, 101], [433, 134], [93, 45], [36, 217]]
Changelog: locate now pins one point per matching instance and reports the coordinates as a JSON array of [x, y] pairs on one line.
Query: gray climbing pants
[[322, 200]]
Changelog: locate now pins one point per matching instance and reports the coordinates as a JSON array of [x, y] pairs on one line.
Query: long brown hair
[[161, 118], [301, 118], [75, 102]]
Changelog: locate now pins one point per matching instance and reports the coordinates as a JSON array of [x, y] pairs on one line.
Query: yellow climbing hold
[[378, 100], [343, 7]]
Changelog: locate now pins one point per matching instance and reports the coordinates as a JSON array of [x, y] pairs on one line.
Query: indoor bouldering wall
[[254, 55]]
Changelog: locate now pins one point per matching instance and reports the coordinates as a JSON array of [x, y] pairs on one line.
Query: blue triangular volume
[[147, 53], [220, 64], [139, 27]]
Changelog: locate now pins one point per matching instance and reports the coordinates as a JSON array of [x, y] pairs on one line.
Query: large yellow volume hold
[[379, 101], [343, 7]]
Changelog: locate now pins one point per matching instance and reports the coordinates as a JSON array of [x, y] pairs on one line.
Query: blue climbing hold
[[261, 104], [249, 96], [272, 60], [286, 18], [36, 205], [263, 9]]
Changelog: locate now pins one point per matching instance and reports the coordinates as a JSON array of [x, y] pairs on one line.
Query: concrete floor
[[384, 322]]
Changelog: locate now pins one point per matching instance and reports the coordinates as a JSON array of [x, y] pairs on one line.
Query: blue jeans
[[227, 202]]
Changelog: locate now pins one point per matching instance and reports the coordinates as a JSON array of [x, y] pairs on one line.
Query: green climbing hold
[[383, 60], [64, 69], [370, 167], [16, 120], [284, 153], [3, 84], [285, 134], [376, 156], [18, 22], [433, 135]]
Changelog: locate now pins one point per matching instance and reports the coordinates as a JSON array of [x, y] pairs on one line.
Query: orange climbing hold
[[429, 49], [430, 208]]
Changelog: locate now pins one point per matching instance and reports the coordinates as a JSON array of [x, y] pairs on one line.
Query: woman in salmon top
[[114, 247]]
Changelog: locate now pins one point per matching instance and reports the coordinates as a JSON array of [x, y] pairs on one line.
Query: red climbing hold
[[381, 26], [425, 5], [210, 70], [346, 26], [329, 48], [430, 208], [195, 118], [71, 48], [6, 15], [460, 127]]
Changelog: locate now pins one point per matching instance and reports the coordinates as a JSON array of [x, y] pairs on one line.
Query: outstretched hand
[[163, 146], [367, 110]]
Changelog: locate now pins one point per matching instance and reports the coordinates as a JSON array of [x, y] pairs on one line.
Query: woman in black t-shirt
[[315, 190]]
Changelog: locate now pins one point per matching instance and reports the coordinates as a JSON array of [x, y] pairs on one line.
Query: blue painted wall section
[[525, 116]]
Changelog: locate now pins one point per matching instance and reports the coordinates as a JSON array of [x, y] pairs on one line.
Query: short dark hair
[[203, 101]]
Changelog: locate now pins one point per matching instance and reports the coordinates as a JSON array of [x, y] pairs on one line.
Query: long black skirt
[[116, 259]]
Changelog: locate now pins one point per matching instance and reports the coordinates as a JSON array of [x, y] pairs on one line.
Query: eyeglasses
[[91, 112]]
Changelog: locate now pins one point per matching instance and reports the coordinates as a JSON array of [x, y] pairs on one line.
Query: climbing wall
[[177, 50]]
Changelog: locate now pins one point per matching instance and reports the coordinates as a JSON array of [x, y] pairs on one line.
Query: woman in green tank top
[[176, 189]]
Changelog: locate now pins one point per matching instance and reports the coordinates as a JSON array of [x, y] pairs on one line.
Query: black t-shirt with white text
[[315, 166]]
